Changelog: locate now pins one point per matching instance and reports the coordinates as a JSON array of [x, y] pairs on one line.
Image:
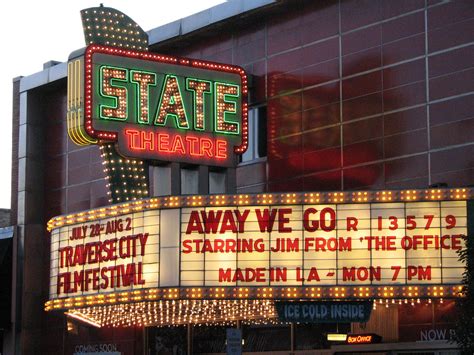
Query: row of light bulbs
[[198, 312], [161, 313], [257, 293], [132, 172], [230, 200]]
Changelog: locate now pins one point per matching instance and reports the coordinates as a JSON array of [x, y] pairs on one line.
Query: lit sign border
[[384, 294], [200, 64], [264, 199], [412, 293]]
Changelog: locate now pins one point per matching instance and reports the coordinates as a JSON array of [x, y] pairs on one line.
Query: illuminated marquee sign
[[306, 242], [345, 244], [107, 255], [165, 108]]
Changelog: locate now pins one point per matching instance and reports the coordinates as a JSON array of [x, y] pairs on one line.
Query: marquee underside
[[176, 306], [176, 312], [199, 312]]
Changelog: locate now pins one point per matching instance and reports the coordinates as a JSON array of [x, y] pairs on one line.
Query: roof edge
[[202, 19], [169, 31]]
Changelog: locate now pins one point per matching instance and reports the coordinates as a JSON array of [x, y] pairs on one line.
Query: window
[[189, 181], [257, 136], [160, 177], [217, 181]]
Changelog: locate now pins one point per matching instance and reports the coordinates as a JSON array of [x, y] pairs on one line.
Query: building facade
[[343, 96]]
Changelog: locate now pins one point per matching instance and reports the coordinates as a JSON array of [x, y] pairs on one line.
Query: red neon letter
[[132, 134], [221, 149]]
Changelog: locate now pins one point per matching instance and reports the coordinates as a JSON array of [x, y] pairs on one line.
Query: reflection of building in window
[[160, 177], [217, 182], [189, 181], [186, 179], [167, 341], [257, 135]]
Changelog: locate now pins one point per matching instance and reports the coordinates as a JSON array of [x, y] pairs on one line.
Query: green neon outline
[[138, 96], [215, 108], [171, 114], [204, 106], [112, 83]]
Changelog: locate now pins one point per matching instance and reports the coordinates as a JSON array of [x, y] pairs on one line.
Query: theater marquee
[[159, 107], [358, 243]]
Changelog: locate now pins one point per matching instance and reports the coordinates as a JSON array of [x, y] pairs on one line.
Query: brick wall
[[361, 93]]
